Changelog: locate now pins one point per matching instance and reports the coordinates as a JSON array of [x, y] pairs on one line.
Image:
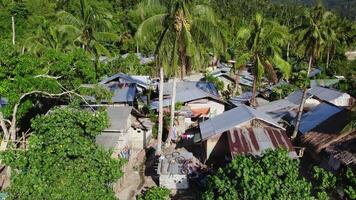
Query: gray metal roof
[[314, 72], [122, 93], [232, 118], [187, 91], [142, 81], [107, 140], [325, 94], [3, 101], [277, 109], [316, 116], [118, 117], [242, 99], [296, 97]]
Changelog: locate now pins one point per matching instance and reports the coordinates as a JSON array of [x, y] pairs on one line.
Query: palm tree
[[264, 41], [184, 30], [48, 36], [312, 35], [339, 33], [91, 29]]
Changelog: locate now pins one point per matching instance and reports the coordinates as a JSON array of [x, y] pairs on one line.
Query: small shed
[[212, 130], [173, 170], [332, 151], [115, 136]]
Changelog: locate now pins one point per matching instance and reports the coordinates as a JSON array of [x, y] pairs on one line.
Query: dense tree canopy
[[62, 161], [273, 176]]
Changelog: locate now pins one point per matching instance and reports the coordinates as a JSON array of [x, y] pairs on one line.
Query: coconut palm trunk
[[328, 59], [173, 101], [302, 103], [254, 91], [160, 113], [13, 30]]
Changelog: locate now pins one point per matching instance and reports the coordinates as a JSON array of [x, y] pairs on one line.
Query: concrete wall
[[139, 138], [174, 182]]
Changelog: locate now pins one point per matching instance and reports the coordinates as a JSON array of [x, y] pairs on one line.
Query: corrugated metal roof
[[277, 109], [314, 72], [296, 97], [242, 99], [325, 94], [323, 82], [118, 117], [122, 93], [316, 116], [187, 91], [232, 118], [256, 140], [125, 78]]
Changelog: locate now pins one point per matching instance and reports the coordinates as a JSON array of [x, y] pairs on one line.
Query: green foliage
[[281, 91], [130, 65], [155, 193], [218, 84], [62, 157], [272, 176], [325, 182]]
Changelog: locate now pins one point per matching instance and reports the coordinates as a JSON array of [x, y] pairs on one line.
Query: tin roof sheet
[[232, 118], [256, 140]]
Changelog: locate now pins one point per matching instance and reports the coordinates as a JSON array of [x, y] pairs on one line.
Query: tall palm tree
[[91, 28], [339, 33], [48, 36], [183, 30], [264, 41], [312, 36]]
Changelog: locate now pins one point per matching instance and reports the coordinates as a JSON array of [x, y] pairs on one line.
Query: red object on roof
[[256, 140]]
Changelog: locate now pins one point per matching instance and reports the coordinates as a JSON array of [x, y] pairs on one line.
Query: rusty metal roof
[[256, 140]]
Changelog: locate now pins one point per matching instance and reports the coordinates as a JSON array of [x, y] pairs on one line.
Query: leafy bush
[[273, 176], [281, 91], [218, 84], [62, 161], [155, 193]]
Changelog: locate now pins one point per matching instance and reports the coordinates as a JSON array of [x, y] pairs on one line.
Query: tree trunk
[[6, 136], [288, 49], [160, 113], [237, 83], [13, 30], [168, 142], [182, 58], [301, 106], [254, 90], [327, 58]]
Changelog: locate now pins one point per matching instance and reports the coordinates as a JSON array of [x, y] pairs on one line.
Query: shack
[[332, 151], [222, 135]]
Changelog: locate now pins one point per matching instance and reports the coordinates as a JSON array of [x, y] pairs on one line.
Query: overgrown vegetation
[[62, 157], [155, 193]]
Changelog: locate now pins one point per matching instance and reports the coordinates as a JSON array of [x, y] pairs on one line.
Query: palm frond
[[68, 18], [106, 37], [148, 28], [283, 66]]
